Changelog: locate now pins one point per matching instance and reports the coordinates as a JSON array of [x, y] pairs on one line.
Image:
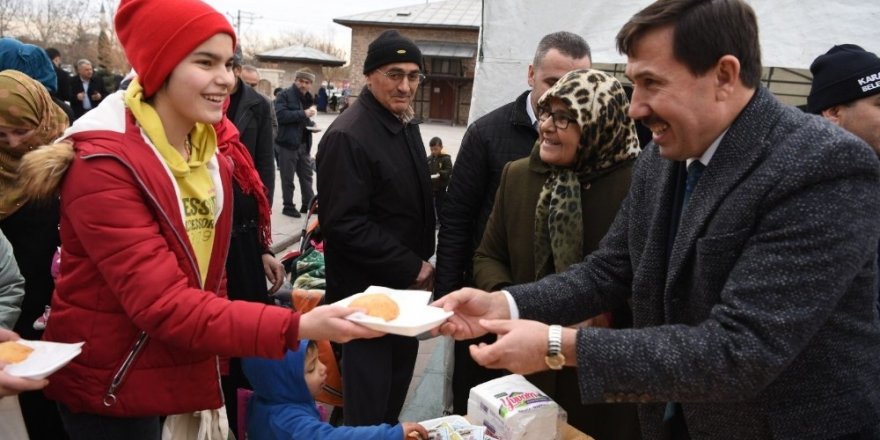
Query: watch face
[[555, 362]]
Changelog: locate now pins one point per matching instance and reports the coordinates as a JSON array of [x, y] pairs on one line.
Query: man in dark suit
[[86, 89], [746, 245]]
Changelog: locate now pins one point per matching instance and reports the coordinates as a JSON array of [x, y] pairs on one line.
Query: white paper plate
[[416, 316], [47, 358]]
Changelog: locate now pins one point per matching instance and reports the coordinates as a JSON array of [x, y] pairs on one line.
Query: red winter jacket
[[128, 270]]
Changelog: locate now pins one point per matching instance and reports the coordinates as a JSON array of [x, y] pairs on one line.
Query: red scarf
[[244, 172]]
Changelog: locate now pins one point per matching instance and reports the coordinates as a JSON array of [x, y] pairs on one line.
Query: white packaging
[[513, 409]]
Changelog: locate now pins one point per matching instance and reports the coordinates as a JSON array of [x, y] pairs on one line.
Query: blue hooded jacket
[[282, 407]]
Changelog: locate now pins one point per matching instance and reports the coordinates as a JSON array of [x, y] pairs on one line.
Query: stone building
[[278, 66], [447, 33]]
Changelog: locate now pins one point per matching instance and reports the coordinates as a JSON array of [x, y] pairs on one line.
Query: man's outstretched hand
[[470, 306]]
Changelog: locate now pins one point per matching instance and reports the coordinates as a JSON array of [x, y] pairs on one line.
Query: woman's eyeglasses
[[561, 119]]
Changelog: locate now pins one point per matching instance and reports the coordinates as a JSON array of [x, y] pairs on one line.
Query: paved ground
[[425, 392]]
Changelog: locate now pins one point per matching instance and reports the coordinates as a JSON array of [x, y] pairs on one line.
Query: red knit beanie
[[158, 34]]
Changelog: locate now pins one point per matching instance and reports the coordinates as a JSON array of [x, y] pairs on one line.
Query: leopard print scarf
[[608, 138]]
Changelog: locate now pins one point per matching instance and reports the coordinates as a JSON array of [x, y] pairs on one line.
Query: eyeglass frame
[[412, 77], [560, 123]]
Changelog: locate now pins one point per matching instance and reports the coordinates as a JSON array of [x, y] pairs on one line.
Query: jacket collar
[[739, 152], [518, 114], [388, 119]]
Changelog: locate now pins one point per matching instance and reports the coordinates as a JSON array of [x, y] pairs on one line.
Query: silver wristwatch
[[554, 359]]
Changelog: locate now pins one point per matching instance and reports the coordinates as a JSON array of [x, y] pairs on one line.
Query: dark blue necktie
[[694, 171], [674, 426]]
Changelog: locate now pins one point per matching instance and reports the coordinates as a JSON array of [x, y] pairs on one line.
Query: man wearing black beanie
[[846, 91], [377, 217]]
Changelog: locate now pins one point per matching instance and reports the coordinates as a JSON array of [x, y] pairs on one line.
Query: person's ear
[[726, 72], [531, 77], [833, 114]]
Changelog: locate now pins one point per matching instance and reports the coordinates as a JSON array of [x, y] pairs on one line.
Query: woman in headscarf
[[146, 214], [552, 209], [29, 119]]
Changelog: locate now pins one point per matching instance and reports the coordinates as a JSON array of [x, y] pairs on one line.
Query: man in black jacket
[[293, 109], [63, 91], [86, 89], [502, 135], [252, 114], [374, 192]]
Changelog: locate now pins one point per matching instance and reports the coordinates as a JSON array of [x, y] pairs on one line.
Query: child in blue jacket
[[283, 403]]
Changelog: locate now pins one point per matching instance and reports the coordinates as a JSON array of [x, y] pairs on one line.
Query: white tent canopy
[[793, 33]]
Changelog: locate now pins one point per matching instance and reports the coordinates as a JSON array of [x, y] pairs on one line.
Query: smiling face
[[393, 95], [196, 88], [679, 108], [558, 145], [315, 371]]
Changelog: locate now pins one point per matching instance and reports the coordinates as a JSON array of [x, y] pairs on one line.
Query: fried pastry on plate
[[12, 352], [379, 305]]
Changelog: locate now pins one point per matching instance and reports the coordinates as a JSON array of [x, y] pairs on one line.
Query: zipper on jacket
[[110, 396]]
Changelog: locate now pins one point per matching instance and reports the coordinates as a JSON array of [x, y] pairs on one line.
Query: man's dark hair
[[703, 32], [435, 141], [237, 57], [53, 53], [566, 43]]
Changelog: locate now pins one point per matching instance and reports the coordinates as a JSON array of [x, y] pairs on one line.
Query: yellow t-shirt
[[197, 193]]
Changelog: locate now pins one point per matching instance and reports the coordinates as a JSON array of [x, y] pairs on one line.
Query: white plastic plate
[[47, 358], [416, 316]]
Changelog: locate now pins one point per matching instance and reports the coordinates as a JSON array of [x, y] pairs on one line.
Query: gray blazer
[[760, 319]]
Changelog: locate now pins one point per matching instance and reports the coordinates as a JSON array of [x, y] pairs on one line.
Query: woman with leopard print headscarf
[[552, 209]]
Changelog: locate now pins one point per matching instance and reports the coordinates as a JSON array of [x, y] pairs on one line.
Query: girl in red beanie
[[145, 226]]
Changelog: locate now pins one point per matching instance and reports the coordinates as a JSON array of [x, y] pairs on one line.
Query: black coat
[[290, 106], [502, 135], [96, 84], [63, 91], [253, 118], [374, 193]]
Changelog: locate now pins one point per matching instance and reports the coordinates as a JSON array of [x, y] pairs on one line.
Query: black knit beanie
[[844, 74], [391, 47]]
